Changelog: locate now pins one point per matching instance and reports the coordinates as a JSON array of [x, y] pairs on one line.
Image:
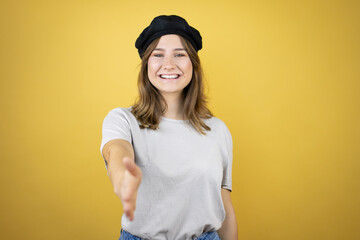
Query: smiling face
[[169, 66]]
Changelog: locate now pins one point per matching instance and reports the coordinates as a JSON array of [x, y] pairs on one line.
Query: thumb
[[131, 167]]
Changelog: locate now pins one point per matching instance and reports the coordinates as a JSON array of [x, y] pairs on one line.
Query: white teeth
[[169, 76]]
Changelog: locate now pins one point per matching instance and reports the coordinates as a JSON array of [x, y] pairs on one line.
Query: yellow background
[[283, 75]]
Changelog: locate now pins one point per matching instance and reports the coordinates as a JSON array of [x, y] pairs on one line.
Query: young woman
[[168, 158]]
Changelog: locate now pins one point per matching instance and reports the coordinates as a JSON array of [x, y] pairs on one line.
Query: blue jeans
[[205, 236]]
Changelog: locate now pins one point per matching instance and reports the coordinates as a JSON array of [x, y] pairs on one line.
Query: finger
[[129, 211], [131, 216], [131, 167], [129, 189]]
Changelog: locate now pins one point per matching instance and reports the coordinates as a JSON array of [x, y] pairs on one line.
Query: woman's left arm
[[228, 230]]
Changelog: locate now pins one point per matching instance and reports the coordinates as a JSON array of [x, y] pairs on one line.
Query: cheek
[[153, 66], [188, 68]]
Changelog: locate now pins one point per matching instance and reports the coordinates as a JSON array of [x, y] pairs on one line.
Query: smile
[[169, 76]]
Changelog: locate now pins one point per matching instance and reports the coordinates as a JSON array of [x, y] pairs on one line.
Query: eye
[[157, 55], [179, 55]]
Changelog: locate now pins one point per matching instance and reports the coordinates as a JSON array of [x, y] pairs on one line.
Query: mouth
[[169, 76]]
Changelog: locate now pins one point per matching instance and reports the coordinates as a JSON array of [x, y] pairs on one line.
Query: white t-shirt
[[183, 172]]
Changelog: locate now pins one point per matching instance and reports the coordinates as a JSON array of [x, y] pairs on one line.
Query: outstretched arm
[[228, 230], [124, 174]]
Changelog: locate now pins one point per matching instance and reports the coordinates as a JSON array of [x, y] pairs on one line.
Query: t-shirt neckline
[[168, 119], [174, 120]]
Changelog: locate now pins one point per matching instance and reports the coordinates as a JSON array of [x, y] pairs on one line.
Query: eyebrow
[[176, 49]]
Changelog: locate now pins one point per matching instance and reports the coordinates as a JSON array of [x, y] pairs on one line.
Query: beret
[[168, 24]]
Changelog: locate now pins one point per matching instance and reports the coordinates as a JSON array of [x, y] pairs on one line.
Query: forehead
[[169, 41]]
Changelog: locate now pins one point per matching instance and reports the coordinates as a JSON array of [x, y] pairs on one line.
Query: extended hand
[[130, 186]]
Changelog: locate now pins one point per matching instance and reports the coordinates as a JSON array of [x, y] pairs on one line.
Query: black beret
[[163, 25]]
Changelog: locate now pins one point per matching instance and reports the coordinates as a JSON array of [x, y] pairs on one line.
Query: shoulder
[[216, 124], [120, 112], [120, 115], [219, 129]]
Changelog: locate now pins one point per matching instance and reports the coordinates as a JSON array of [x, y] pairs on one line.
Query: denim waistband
[[205, 236]]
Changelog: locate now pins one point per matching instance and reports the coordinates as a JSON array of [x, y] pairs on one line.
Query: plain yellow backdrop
[[283, 75]]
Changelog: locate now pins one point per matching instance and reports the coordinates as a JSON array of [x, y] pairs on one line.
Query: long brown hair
[[150, 105]]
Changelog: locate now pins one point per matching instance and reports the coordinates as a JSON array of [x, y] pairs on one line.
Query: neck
[[175, 108]]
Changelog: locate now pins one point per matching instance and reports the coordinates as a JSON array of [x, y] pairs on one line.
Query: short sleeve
[[228, 159], [115, 126]]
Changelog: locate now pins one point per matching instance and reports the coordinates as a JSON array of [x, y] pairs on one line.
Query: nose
[[168, 63]]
